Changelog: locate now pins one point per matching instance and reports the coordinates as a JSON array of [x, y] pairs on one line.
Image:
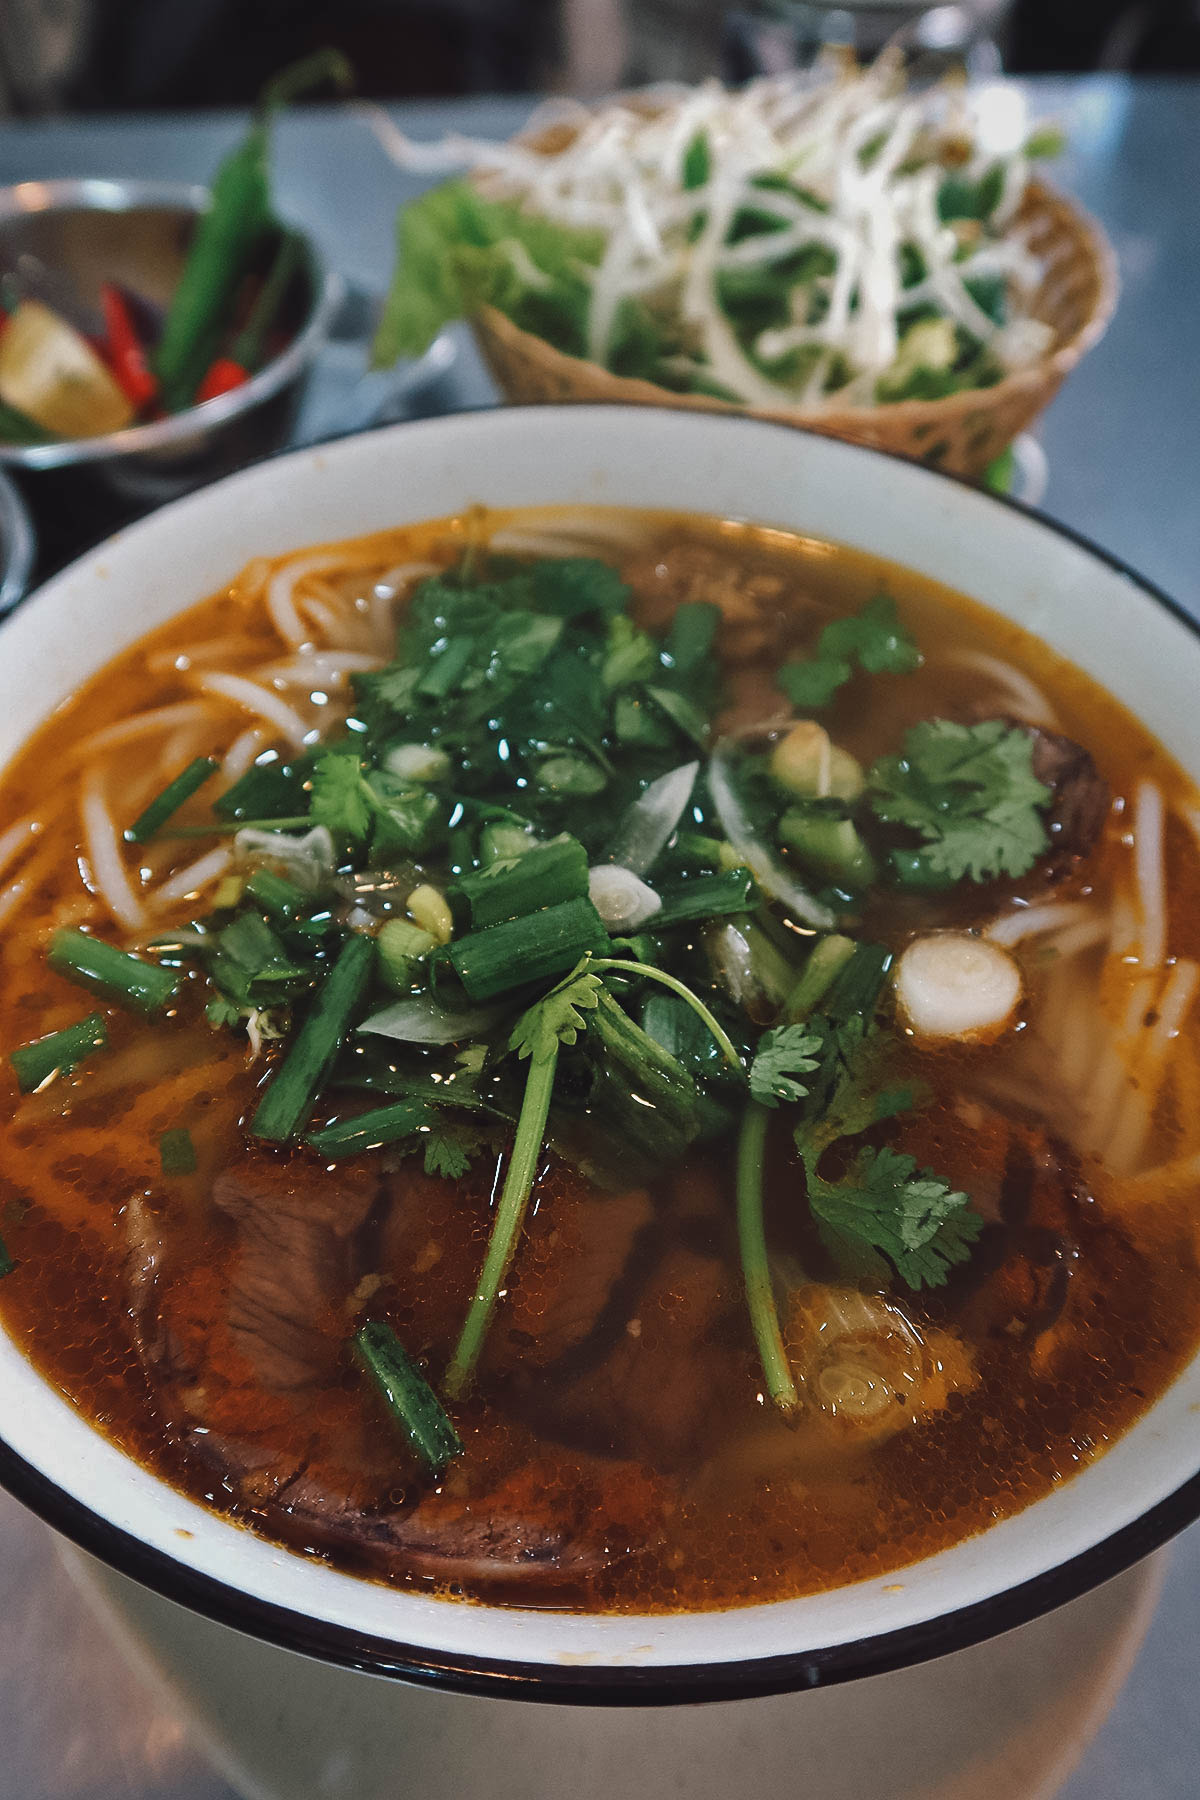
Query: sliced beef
[[574, 1250], [295, 1262], [479, 1543], [1081, 801], [575, 1258], [1029, 1192], [651, 1397]]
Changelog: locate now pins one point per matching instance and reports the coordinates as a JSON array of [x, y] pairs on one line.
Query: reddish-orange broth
[[733, 1505]]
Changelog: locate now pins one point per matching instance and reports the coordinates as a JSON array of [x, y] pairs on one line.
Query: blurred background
[[61, 56]]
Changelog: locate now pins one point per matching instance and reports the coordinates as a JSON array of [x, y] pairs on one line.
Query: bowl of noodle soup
[[120, 1422]]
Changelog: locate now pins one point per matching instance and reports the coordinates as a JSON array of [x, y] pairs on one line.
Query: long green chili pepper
[[227, 234]]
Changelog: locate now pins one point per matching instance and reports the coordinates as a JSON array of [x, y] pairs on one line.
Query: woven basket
[[962, 433]]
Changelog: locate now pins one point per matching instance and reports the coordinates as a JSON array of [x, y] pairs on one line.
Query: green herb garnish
[[969, 791], [873, 639]]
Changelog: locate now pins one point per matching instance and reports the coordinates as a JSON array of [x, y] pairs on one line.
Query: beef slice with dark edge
[[1076, 815], [653, 1395], [295, 1262]]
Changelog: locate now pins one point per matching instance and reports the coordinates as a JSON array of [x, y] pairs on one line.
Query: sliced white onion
[[421, 1021], [735, 823], [620, 897], [953, 984], [309, 860], [733, 963], [653, 819]]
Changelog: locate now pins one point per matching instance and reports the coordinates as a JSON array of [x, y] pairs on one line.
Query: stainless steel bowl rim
[[101, 194], [18, 546]]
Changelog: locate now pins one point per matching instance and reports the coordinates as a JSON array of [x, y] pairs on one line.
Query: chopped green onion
[[704, 897], [176, 1152], [916, 869], [830, 845], [829, 957], [521, 951], [417, 1409], [500, 841], [58, 1053], [171, 799], [7, 1263], [544, 875], [369, 1131], [111, 973], [284, 1109], [266, 793], [399, 946], [276, 894]]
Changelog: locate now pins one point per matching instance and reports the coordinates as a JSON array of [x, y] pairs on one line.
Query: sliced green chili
[[416, 1407]]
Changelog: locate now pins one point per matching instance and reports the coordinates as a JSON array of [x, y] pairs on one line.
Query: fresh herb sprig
[[970, 793], [873, 640]]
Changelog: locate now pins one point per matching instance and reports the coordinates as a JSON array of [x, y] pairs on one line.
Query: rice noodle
[[11, 897], [1032, 921], [110, 880], [18, 838], [1148, 821], [256, 699], [1090, 932], [200, 874], [281, 594], [1023, 696], [248, 745], [400, 575], [1173, 1007], [128, 731], [1126, 1141], [320, 668]]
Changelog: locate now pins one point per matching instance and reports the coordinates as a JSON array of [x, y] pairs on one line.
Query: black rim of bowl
[[609, 1684]]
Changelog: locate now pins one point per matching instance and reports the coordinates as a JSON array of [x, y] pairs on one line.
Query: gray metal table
[[1123, 442]]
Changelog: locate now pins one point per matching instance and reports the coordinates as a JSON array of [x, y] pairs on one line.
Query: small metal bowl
[[136, 233], [18, 546]]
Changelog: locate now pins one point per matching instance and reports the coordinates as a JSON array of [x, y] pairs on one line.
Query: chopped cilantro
[[782, 1055], [885, 1205], [873, 638], [450, 1143], [556, 1019], [970, 792]]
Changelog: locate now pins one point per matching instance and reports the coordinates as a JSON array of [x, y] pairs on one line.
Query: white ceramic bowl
[[1145, 651]]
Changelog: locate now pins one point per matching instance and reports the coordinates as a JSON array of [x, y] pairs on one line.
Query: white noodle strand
[[17, 839], [102, 845], [1148, 821], [200, 874], [258, 700]]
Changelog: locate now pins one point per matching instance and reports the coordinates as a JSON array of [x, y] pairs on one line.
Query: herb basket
[[961, 433]]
